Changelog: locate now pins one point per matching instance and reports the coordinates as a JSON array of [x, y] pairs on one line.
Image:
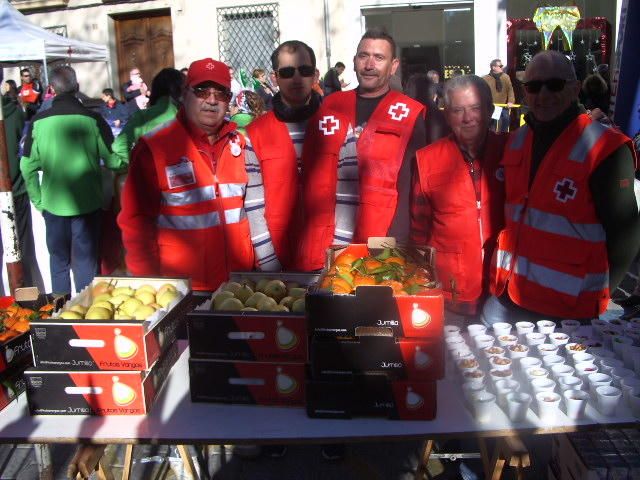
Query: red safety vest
[[381, 148], [300, 209], [552, 256], [462, 231], [203, 231]]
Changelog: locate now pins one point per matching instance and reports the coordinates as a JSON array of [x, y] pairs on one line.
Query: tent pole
[[46, 74]]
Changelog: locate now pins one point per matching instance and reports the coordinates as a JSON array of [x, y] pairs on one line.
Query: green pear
[[70, 315], [244, 293], [276, 289], [98, 313], [128, 291], [101, 287], [103, 304], [164, 287], [266, 304], [253, 300], [129, 306], [146, 288], [298, 306], [297, 292], [166, 297], [81, 309], [232, 287], [249, 309], [287, 302], [261, 284], [119, 299], [145, 296], [103, 296], [248, 282], [143, 312], [219, 298], [279, 308], [231, 305]]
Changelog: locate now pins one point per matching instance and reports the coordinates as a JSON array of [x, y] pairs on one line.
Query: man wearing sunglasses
[[389, 134], [183, 201], [29, 92], [301, 160], [571, 221], [501, 92]]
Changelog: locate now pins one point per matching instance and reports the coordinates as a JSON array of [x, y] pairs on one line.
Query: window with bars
[[248, 35]]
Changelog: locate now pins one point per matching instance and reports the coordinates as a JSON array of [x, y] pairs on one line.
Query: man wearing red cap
[[183, 202]]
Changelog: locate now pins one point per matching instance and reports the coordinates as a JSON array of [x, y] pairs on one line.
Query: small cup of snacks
[[522, 328], [548, 405], [518, 351], [500, 363], [493, 351], [569, 326], [451, 331], [562, 370], [483, 341], [501, 328], [547, 349], [500, 374], [535, 373], [543, 385], [559, 338], [570, 383], [507, 340], [546, 326], [608, 399], [583, 357], [534, 338], [529, 362], [467, 365], [475, 377], [476, 329], [575, 402], [551, 360]]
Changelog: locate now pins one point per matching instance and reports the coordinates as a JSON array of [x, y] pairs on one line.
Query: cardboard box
[[110, 344], [251, 336], [98, 393], [376, 306], [12, 384], [399, 358], [255, 383], [372, 395]]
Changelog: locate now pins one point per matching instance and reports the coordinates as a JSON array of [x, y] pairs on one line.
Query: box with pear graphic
[[116, 323], [100, 392]]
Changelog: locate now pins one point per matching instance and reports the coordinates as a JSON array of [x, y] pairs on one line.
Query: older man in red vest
[[571, 218]]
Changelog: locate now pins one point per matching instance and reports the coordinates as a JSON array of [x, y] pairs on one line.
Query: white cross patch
[[210, 66], [329, 124], [398, 111], [565, 189]]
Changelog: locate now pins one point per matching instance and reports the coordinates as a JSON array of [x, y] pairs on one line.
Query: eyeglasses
[[205, 92], [303, 70], [26, 75], [552, 84], [499, 66]]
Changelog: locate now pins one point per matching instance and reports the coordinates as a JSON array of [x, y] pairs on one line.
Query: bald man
[[571, 220]]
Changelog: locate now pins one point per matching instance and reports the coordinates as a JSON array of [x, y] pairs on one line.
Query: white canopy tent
[[23, 42]]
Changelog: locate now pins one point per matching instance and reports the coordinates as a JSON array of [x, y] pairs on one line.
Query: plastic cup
[[584, 369], [529, 362], [583, 357], [494, 351], [476, 377], [500, 374], [608, 364], [517, 405], [476, 329], [451, 331], [608, 334], [503, 387], [598, 380], [575, 402], [608, 399], [619, 323], [546, 326], [579, 338], [547, 349], [507, 340], [548, 405], [542, 385], [467, 365], [551, 360], [518, 351], [627, 384], [619, 373], [619, 343], [522, 328], [569, 326], [628, 354], [573, 348], [634, 402], [597, 326], [534, 338], [483, 341], [562, 370], [483, 406], [454, 342], [462, 353], [536, 372], [470, 389], [559, 338], [500, 363], [501, 328], [570, 383]]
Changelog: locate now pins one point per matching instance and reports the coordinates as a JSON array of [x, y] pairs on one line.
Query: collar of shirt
[[201, 139]]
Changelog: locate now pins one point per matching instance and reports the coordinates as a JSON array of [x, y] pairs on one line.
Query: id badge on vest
[[181, 174]]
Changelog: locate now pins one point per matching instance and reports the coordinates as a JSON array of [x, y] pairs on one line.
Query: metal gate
[[248, 35]]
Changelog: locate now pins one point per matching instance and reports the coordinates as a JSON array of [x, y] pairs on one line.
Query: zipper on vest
[[525, 201], [476, 187]]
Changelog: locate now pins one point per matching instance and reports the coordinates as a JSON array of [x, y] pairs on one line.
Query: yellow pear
[[248, 282], [103, 304], [121, 316], [145, 296], [297, 292], [261, 284], [287, 302], [231, 304], [70, 315], [81, 309], [298, 306], [128, 291], [103, 296], [129, 306], [219, 298], [276, 289], [166, 297], [232, 287], [98, 313], [279, 308], [146, 288], [267, 304], [164, 287], [101, 287], [143, 312], [118, 299], [253, 300], [249, 309], [244, 292]]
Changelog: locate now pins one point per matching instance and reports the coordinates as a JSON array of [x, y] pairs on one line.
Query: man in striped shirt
[[302, 192]]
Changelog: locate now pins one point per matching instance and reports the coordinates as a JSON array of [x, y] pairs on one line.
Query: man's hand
[[85, 461]]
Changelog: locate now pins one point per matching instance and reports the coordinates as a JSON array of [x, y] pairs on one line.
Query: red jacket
[[552, 255], [381, 148], [182, 206], [446, 215], [300, 209]]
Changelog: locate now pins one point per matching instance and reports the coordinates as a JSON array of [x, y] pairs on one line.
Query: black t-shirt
[[331, 82]]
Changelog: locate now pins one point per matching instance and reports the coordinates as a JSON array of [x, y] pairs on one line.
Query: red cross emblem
[[210, 66], [329, 124], [398, 111], [565, 190]]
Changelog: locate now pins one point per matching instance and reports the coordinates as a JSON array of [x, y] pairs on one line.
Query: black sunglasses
[[552, 84], [303, 70]]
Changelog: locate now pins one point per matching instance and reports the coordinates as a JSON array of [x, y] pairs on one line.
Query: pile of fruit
[[266, 295], [392, 267], [15, 320], [111, 302]]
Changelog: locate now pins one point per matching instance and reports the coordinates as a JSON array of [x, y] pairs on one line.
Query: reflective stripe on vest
[[557, 224], [553, 279], [587, 140], [189, 197], [234, 215], [189, 222], [519, 137], [228, 190]]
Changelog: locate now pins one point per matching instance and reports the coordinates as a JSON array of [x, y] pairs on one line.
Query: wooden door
[[144, 41]]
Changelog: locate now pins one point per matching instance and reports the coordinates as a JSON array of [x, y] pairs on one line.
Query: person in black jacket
[[332, 81]]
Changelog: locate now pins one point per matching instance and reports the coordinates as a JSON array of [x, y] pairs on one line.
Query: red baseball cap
[[209, 70]]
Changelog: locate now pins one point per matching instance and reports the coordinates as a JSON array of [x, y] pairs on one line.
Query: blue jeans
[[502, 309], [73, 245]]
